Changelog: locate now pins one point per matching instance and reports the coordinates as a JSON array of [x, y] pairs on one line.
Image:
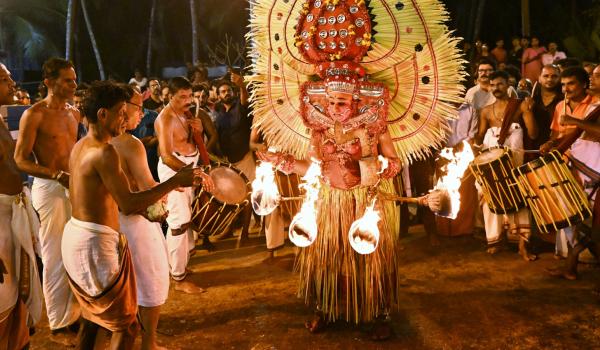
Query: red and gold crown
[[333, 30]]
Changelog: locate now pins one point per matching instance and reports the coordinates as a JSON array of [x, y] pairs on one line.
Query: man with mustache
[[20, 290], [177, 146], [494, 131], [47, 134]]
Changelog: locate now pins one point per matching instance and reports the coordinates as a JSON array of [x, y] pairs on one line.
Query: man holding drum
[[500, 125], [177, 148], [583, 153]]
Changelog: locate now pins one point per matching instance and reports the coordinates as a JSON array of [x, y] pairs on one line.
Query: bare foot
[[493, 250], [382, 330], [317, 324], [560, 273], [188, 287], [527, 256], [64, 338]]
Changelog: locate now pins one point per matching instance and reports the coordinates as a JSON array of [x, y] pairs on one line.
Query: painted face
[[339, 105], [571, 87], [7, 87], [499, 87], [135, 111], [65, 85], [549, 78]]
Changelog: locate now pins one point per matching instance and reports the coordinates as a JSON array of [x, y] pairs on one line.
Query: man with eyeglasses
[[143, 236], [155, 101]]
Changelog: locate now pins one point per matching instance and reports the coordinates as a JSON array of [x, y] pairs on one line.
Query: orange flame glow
[[364, 232], [265, 195], [451, 182], [303, 228]]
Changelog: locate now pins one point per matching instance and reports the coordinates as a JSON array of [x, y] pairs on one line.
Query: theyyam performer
[[20, 289], [332, 86]]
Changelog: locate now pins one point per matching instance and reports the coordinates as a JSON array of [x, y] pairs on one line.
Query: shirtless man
[[176, 150], [48, 131], [96, 257], [490, 123], [17, 221], [143, 236]]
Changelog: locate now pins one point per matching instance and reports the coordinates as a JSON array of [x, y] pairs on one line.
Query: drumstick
[[533, 89]]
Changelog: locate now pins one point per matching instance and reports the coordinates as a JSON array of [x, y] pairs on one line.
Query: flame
[[451, 182], [384, 163], [364, 232], [265, 195], [303, 228]]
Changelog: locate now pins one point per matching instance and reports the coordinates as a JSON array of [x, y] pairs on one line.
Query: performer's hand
[[196, 124], [434, 201], [546, 147], [64, 180], [207, 182], [527, 104], [566, 119]]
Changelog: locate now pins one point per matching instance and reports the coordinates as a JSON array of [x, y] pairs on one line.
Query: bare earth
[[454, 297]]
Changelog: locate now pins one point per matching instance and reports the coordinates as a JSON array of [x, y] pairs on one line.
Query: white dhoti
[[150, 259], [179, 205], [586, 154], [50, 199], [18, 227], [90, 254], [274, 229], [519, 222]]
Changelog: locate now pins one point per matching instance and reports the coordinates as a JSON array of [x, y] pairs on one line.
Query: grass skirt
[[343, 283]]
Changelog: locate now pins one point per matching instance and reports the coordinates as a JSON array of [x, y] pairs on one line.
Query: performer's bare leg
[[524, 252], [149, 317], [317, 323], [87, 334]]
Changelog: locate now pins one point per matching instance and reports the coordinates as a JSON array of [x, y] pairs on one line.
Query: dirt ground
[[455, 296]]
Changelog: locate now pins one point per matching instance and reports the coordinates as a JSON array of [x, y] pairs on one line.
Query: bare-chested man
[[490, 124], [96, 257], [143, 236], [176, 146], [18, 269], [47, 133]]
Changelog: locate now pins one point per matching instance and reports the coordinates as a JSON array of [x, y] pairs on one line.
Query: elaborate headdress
[[413, 67]]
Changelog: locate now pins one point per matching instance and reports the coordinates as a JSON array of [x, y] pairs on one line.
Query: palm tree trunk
[[479, 19], [150, 31], [88, 24], [70, 27], [194, 32], [525, 23]]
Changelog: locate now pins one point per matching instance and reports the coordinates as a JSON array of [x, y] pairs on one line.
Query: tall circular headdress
[[396, 52]]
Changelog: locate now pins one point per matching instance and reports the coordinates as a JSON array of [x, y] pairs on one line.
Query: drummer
[[501, 124], [583, 154], [177, 148]]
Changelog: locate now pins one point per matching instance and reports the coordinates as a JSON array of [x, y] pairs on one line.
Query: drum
[[212, 212], [493, 171], [556, 200], [288, 186]]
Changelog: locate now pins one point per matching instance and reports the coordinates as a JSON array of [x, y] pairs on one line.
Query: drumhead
[[230, 186], [489, 155]]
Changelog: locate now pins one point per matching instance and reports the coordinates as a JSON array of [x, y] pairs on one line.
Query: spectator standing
[[139, 79], [154, 102], [531, 62], [515, 53], [499, 52], [553, 55]]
